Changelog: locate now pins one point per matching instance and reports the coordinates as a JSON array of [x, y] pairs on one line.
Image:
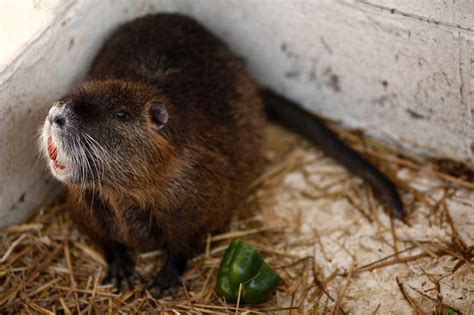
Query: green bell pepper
[[242, 264]]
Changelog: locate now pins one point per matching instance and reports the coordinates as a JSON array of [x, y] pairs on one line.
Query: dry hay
[[320, 227]]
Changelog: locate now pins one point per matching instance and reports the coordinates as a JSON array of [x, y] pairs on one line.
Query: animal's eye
[[122, 115]]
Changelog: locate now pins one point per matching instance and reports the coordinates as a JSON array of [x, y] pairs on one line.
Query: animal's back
[[216, 120]]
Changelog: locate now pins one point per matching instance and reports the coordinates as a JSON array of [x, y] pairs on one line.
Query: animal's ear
[[158, 114]]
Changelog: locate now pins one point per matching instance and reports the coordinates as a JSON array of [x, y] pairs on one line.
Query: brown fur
[[192, 173]]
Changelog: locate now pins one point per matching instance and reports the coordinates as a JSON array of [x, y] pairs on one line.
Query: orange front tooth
[[52, 151]]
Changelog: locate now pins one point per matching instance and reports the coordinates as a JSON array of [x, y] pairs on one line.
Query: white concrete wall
[[51, 62], [399, 69], [402, 70]]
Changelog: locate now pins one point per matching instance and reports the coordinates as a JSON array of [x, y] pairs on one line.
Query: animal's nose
[[59, 120]]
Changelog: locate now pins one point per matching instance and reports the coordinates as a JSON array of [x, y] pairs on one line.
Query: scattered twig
[[408, 298]]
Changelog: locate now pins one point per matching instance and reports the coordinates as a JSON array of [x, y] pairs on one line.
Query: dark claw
[[107, 278], [129, 283], [118, 283]]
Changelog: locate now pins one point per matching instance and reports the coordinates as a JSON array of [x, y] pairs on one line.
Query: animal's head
[[107, 132]]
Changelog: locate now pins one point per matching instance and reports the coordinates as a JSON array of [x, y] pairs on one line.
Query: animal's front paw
[[168, 278], [165, 280], [121, 267]]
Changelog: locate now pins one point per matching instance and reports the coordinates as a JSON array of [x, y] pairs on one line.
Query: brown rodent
[[161, 142]]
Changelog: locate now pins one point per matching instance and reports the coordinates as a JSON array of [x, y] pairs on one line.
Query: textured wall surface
[[402, 70], [49, 64], [399, 69]]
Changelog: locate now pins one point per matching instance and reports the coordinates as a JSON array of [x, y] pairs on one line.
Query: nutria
[[163, 139]]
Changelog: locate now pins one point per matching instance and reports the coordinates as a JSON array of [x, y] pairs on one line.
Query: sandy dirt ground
[[336, 221]]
